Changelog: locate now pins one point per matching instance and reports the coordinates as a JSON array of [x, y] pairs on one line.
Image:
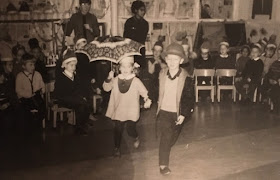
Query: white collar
[[224, 56], [121, 76], [69, 74], [256, 59]]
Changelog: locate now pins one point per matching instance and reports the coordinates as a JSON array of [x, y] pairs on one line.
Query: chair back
[[49, 90], [204, 72], [226, 72]]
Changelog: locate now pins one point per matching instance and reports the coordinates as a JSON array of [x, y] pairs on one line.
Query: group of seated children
[[21, 89]]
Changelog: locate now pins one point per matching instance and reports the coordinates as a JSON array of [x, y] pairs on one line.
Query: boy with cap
[[224, 60], [69, 94], [175, 102], [251, 75], [83, 23], [29, 88]]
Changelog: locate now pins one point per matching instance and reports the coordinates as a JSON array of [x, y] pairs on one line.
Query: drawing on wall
[[185, 9], [216, 9]]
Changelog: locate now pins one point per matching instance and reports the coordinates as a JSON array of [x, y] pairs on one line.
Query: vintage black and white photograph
[[139, 90]]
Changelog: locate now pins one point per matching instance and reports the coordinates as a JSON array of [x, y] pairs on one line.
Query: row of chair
[[211, 73]]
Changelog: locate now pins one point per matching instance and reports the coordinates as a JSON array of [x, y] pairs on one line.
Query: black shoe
[[165, 171], [117, 153]]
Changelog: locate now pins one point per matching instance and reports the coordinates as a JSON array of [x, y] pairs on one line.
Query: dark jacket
[[225, 63], [253, 70], [136, 29], [204, 64], [76, 23], [185, 92]]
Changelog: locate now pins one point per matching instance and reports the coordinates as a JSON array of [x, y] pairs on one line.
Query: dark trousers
[[246, 93], [169, 135], [81, 107], [118, 130]]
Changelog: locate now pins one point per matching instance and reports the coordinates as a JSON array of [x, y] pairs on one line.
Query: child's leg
[[131, 129], [118, 130], [167, 127]]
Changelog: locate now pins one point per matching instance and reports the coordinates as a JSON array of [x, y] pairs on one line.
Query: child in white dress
[[124, 104]]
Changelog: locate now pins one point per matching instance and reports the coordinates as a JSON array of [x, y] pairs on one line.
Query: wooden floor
[[223, 141]]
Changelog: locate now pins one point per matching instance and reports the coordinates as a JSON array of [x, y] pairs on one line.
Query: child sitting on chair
[[29, 88], [242, 60], [69, 94], [124, 105], [251, 75]]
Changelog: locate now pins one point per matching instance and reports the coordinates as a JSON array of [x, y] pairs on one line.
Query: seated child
[[154, 66], [124, 104], [242, 60], [176, 99], [18, 51], [68, 92], [29, 88], [225, 61], [268, 58], [40, 63], [251, 75], [270, 82], [190, 57]]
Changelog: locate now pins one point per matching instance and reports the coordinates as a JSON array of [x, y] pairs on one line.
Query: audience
[[268, 57]]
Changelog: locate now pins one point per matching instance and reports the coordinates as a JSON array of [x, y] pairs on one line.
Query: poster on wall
[[185, 9], [216, 9]]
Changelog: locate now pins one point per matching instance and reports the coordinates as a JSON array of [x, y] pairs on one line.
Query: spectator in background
[[206, 11], [242, 60], [40, 58], [83, 23], [270, 83], [29, 88], [136, 28], [18, 51], [251, 75], [225, 61], [155, 64], [268, 57]]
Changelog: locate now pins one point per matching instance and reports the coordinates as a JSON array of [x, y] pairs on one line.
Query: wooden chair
[[94, 99], [204, 73], [52, 105], [225, 73], [254, 98]]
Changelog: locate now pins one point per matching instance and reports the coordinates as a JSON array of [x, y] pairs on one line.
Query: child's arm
[[108, 83], [144, 93], [42, 84], [187, 99]]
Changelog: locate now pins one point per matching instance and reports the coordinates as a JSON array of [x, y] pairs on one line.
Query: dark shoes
[[164, 171]]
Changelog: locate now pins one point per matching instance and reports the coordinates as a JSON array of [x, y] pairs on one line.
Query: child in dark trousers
[[29, 89], [69, 94], [175, 102], [251, 75]]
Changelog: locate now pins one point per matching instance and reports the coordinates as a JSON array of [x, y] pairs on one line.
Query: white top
[[170, 94]]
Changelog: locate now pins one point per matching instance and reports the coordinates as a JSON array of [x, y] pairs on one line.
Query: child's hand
[[4, 106], [147, 103], [111, 75], [180, 120], [92, 81], [98, 91], [249, 79]]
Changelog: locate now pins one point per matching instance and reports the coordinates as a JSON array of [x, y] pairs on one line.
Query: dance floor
[[225, 141]]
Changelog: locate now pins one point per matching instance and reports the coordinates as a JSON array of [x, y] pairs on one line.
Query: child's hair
[[136, 5], [27, 58], [33, 43], [246, 47], [16, 48]]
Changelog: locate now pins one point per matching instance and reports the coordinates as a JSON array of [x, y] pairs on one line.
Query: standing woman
[[136, 28]]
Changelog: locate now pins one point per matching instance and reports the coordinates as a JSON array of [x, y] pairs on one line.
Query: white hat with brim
[[224, 43]]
